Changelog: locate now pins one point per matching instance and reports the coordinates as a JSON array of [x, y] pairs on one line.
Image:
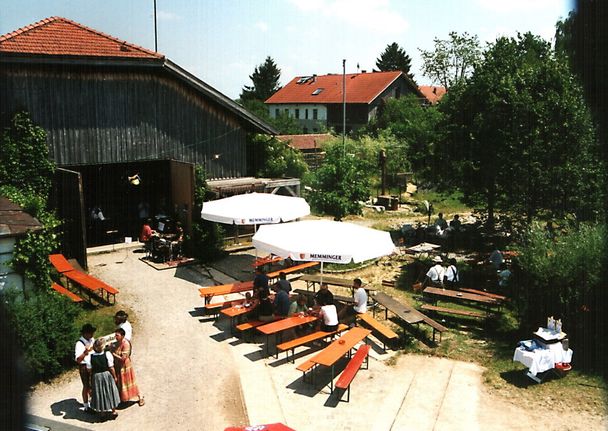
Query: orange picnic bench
[[291, 269], [209, 292], [83, 280], [353, 366], [59, 288]]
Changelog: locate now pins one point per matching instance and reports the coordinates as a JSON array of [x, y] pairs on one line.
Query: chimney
[[364, 71], [314, 77], [434, 90]]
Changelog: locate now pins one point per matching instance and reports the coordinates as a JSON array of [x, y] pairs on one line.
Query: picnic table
[[338, 348], [276, 328], [235, 311], [406, 313], [209, 292], [456, 295]]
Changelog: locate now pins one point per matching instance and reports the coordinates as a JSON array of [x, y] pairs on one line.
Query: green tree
[[272, 158], [394, 58], [414, 129], [518, 136], [342, 180], [265, 80], [452, 60], [284, 124], [24, 156]]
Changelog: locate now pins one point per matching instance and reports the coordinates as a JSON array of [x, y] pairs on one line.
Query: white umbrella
[[324, 241], [254, 209]]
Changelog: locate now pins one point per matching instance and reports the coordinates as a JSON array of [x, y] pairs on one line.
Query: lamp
[[134, 180]]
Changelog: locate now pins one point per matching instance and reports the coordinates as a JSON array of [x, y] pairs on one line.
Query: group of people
[[324, 306], [105, 368], [168, 246], [442, 274]]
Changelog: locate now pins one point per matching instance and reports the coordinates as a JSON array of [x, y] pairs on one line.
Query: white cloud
[[377, 15], [262, 26], [167, 16]]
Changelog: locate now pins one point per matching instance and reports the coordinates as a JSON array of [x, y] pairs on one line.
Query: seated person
[[281, 302], [360, 305], [496, 259], [300, 305], [177, 240], [146, 232], [434, 276], [455, 223], [451, 276], [440, 223], [260, 281], [504, 275], [264, 310], [328, 316], [283, 283], [324, 295]]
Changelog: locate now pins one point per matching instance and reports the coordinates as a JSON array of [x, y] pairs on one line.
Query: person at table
[[300, 305], [264, 310], [121, 321], [434, 276], [260, 281], [105, 396], [283, 283], [455, 223], [496, 259], [146, 232], [82, 352], [324, 295], [441, 224], [127, 386], [360, 304], [328, 316], [451, 278], [504, 276], [177, 240], [281, 301]]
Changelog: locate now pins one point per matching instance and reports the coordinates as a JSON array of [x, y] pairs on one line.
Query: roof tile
[[63, 37], [432, 93]]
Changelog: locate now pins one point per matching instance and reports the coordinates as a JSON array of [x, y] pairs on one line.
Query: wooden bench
[[340, 298], [388, 283], [305, 367], [488, 294], [209, 292], [353, 366], [452, 311], [297, 342], [64, 291], [249, 325], [386, 332], [214, 309], [290, 270], [437, 327]]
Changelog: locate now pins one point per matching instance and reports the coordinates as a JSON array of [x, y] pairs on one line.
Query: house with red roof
[[432, 93], [115, 111], [316, 101]]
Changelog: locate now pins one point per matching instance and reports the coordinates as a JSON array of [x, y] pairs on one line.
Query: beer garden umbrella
[[323, 241]]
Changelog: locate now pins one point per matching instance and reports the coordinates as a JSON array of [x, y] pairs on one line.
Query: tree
[[283, 123], [452, 60], [394, 58], [272, 158], [342, 180], [519, 137], [265, 80]]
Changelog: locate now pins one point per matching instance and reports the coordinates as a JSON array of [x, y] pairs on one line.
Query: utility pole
[[155, 30], [344, 106]]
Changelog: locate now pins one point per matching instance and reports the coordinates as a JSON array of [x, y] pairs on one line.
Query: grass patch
[[103, 318], [447, 203]]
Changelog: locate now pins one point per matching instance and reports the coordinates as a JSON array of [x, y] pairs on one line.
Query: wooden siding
[[105, 115]]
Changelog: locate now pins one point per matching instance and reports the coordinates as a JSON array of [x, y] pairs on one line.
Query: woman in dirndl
[[105, 396], [127, 386]]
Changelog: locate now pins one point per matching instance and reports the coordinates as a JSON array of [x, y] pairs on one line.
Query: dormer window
[[317, 91]]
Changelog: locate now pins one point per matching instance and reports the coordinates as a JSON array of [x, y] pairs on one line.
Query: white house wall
[[8, 277]]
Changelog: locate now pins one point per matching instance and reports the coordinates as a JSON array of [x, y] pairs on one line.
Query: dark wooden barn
[[114, 112]]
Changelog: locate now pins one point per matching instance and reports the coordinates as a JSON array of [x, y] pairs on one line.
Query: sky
[[222, 41]]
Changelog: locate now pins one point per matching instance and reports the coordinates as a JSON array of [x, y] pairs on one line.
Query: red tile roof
[[360, 88], [432, 93], [58, 36], [305, 142]]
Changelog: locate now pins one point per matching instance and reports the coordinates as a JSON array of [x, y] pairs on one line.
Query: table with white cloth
[[549, 351]]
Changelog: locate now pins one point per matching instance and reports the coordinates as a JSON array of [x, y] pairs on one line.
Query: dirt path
[[189, 380]]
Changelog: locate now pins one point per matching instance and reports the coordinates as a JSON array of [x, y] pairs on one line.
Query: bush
[[45, 330], [561, 276]]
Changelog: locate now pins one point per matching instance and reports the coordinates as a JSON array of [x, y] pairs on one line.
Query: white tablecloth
[[540, 360]]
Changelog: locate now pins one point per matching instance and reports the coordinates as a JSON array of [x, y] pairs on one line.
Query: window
[[276, 113], [306, 113], [286, 112], [317, 91], [315, 114], [297, 113]]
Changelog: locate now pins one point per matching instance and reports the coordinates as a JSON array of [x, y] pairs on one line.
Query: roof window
[[317, 91]]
